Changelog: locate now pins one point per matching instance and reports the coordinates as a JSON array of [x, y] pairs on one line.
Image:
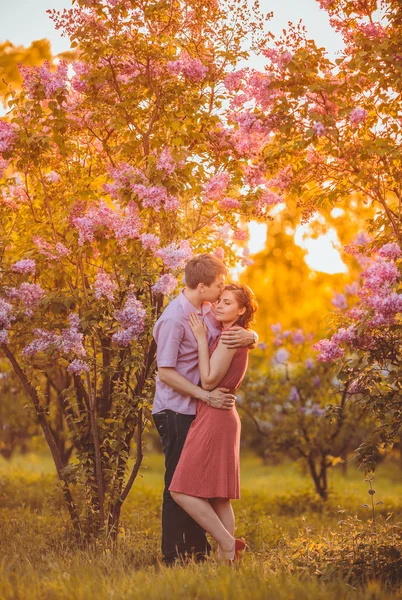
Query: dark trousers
[[181, 535]]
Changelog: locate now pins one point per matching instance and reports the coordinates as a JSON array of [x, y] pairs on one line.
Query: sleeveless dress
[[209, 463]]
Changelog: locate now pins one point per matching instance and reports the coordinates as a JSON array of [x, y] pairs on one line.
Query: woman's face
[[227, 308]]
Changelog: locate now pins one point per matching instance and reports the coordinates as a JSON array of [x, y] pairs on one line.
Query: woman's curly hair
[[246, 299]]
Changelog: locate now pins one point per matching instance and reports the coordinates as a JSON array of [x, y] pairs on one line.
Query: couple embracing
[[203, 339]]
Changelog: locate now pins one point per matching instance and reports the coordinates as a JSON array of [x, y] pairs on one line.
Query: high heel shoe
[[240, 546]]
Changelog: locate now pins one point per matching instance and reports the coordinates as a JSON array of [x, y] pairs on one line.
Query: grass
[[282, 519]]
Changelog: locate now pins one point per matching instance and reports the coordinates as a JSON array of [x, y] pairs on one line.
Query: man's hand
[[237, 337], [220, 398]]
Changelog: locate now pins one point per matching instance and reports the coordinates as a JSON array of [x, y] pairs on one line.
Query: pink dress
[[209, 463]]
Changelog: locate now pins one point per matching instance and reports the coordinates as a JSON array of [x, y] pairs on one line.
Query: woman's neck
[[227, 325]]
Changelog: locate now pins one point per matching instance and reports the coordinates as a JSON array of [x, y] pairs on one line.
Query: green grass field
[[288, 528]]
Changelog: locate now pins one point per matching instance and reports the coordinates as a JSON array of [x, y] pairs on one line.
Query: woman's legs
[[202, 512], [224, 510]]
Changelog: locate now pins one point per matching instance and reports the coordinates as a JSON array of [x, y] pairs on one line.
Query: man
[[177, 389]]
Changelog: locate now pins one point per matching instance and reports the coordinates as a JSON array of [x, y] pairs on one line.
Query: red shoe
[[240, 546]]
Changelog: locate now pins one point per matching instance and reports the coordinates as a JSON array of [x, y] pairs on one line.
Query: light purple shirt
[[178, 348]]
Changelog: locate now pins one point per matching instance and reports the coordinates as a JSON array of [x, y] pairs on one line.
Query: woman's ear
[[242, 311]]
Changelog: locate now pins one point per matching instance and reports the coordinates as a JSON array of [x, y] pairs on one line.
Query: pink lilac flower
[[80, 80], [51, 82], [71, 340], [56, 252], [123, 176], [319, 128], [131, 319], [391, 251], [276, 328], [229, 204], [223, 232], [372, 30], [190, 68], [172, 203], [240, 234], [30, 294], [153, 196], [294, 394], [175, 255], [279, 58], [53, 177], [345, 334], [77, 366], [246, 261], [309, 363], [219, 252], [316, 381], [352, 289], [166, 284], [127, 225], [316, 410], [328, 350], [281, 355], [282, 179], [150, 241], [269, 198], [233, 81], [357, 116], [339, 301], [166, 162], [104, 286], [5, 314], [386, 307], [215, 188], [3, 165], [298, 337], [380, 273], [26, 266], [7, 136], [3, 336], [42, 342]]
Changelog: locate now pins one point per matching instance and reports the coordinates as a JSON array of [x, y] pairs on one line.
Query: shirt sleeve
[[169, 337]]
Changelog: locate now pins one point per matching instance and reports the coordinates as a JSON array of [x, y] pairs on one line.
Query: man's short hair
[[204, 268]]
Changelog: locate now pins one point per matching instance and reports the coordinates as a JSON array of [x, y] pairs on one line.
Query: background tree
[[110, 182]]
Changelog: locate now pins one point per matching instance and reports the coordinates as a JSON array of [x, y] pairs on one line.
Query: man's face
[[211, 293]]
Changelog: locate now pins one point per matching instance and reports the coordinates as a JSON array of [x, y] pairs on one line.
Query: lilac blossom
[[328, 350], [339, 301], [131, 319], [357, 116], [298, 337], [104, 286], [391, 251], [150, 241], [26, 266], [77, 366], [294, 394], [175, 255], [281, 356], [319, 128], [166, 284]]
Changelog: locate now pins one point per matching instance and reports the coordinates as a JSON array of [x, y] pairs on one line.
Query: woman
[[207, 476]]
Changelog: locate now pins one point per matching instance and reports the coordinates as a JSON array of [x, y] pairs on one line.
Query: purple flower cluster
[[104, 286], [150, 241], [166, 284], [190, 68], [155, 196], [69, 341], [5, 319], [26, 266], [339, 301], [124, 175], [175, 255], [357, 116], [30, 294], [7, 137], [131, 319], [51, 82], [379, 305], [103, 220], [229, 204], [51, 252], [166, 162], [216, 187], [319, 128], [77, 366]]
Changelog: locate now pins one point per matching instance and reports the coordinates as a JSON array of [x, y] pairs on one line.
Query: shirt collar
[[190, 308]]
